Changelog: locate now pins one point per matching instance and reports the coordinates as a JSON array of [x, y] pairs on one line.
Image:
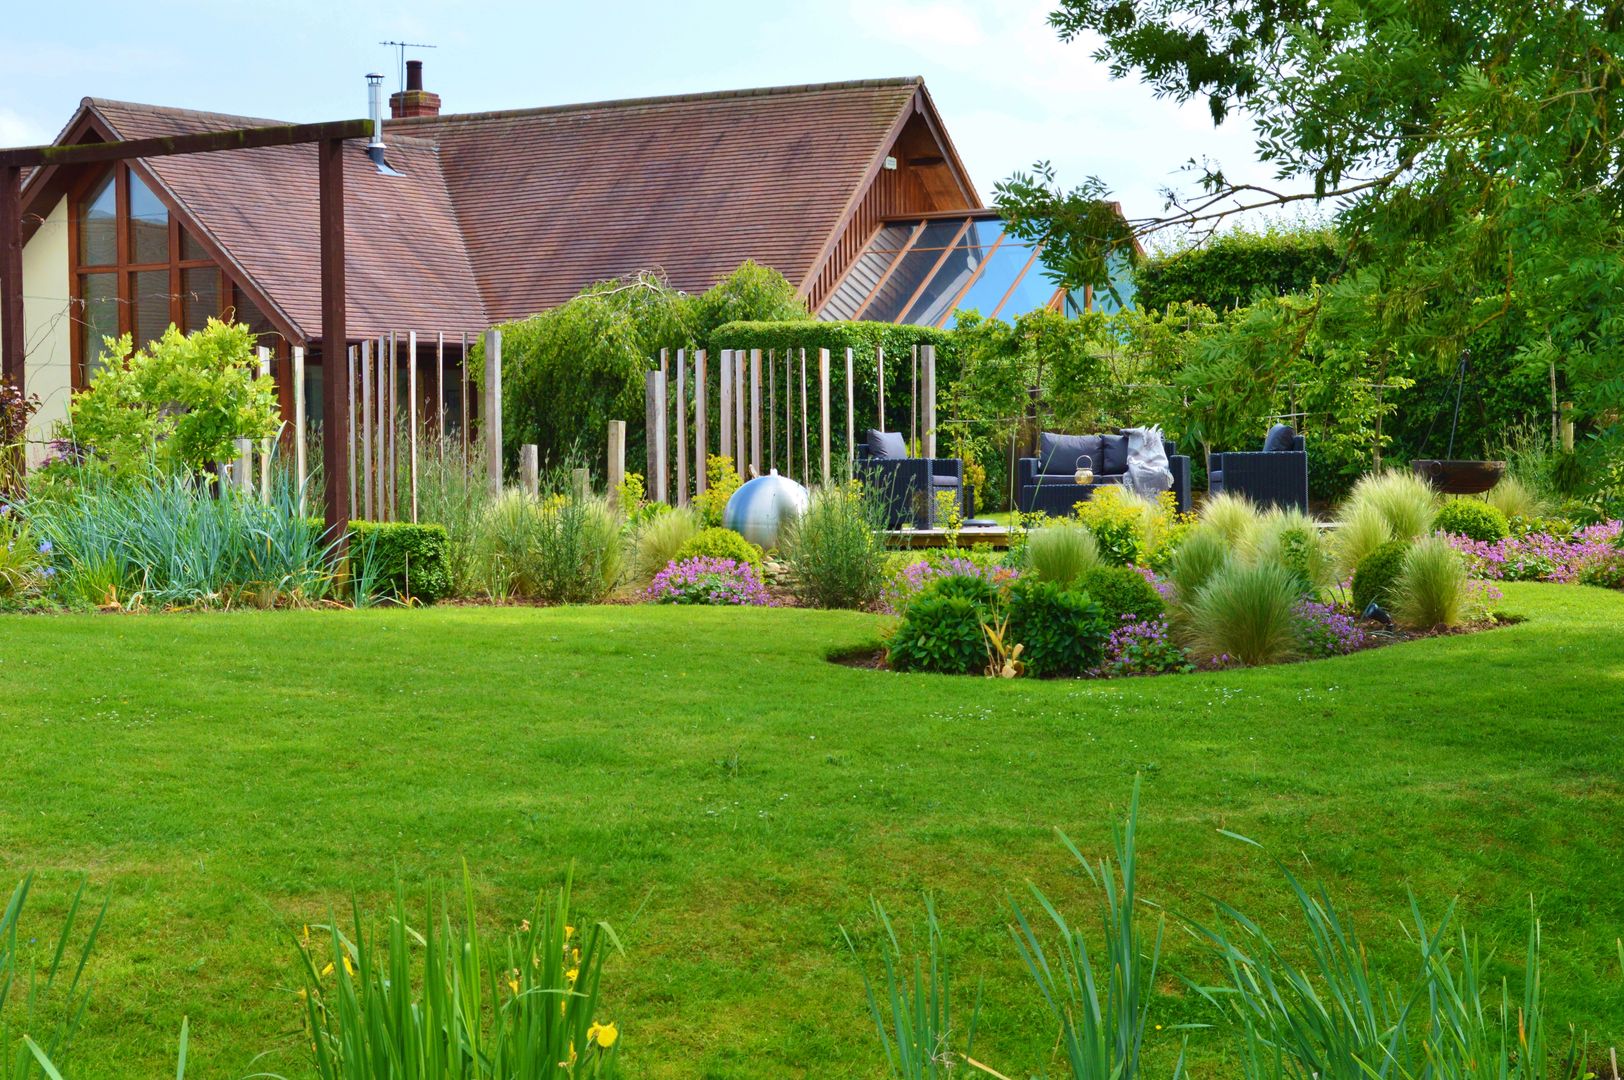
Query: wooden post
[[264, 444], [851, 418], [380, 432], [13, 337], [300, 465], [530, 469], [654, 403], [823, 410], [682, 427], [492, 416], [336, 463], [741, 452], [913, 405], [439, 389], [581, 484], [616, 469], [411, 416], [466, 385], [772, 409], [701, 436], [366, 431], [241, 469], [1567, 427], [806, 442], [789, 416], [755, 412], [928, 359], [353, 442], [726, 411], [879, 382]]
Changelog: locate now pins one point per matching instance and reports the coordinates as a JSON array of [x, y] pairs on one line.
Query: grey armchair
[[907, 485], [1277, 475]]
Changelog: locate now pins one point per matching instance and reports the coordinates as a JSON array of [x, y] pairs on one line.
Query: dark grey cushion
[[887, 445], [1058, 454], [1280, 437], [945, 481], [1115, 449]]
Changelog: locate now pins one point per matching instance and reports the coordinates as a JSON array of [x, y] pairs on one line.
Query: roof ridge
[[176, 110], [665, 99]]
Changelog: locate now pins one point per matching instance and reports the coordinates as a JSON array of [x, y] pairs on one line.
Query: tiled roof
[[500, 215]]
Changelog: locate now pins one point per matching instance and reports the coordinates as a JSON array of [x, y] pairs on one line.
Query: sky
[[1009, 91]]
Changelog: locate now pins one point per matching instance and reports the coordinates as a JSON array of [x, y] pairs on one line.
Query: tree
[[1472, 152], [177, 405]]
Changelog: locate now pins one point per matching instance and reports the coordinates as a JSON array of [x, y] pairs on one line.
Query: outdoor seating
[[908, 486], [1048, 483], [1277, 475]]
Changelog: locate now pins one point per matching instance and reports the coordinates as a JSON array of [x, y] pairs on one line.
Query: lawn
[[730, 801]]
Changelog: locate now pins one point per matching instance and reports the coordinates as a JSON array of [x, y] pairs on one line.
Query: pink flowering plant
[[1591, 555], [1144, 647], [705, 580], [1326, 630], [902, 586]]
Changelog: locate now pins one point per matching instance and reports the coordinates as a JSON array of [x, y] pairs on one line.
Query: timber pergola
[[329, 138]]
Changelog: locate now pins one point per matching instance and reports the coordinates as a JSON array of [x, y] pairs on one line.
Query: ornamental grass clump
[[1405, 502], [710, 581], [559, 549], [657, 542], [1290, 538], [1515, 499], [1059, 553], [1432, 587], [1360, 530], [835, 550], [1246, 613], [441, 997], [1203, 553], [1232, 516]]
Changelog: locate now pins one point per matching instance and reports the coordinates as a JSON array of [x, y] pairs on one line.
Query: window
[[137, 270]]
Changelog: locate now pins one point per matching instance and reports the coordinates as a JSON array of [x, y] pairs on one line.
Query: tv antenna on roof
[[400, 48]]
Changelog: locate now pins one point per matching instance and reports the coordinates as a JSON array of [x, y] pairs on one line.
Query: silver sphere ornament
[[761, 507]]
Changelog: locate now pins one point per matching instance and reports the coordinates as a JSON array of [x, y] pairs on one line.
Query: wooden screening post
[[392, 427], [616, 466], [241, 468], [740, 451], [380, 433], [682, 427], [772, 409], [701, 461], [654, 408], [265, 444], [354, 439], [300, 464], [580, 483], [851, 417], [366, 431], [823, 410], [879, 382], [913, 405], [928, 359], [492, 414], [789, 417], [806, 442], [530, 469], [726, 410], [755, 412], [465, 386], [439, 389], [411, 415]]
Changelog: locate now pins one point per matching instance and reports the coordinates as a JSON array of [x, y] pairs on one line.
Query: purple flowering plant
[[902, 586], [1144, 647], [1326, 630], [1591, 555], [707, 580]]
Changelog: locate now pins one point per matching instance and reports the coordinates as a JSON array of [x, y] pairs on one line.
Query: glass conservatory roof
[[923, 271]]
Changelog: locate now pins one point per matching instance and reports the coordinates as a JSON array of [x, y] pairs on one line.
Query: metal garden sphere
[[762, 506]]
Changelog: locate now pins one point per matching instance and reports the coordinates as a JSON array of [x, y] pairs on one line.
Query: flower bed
[[707, 580], [1592, 555]]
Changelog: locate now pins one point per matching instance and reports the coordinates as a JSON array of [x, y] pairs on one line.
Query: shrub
[[704, 580], [1122, 591], [562, 550], [1144, 648], [1360, 530], [979, 589], [719, 543], [1234, 517], [721, 481], [1431, 588], [1115, 516], [1473, 519], [1245, 613], [1064, 632], [658, 540], [1058, 553], [1289, 538], [1203, 554], [1373, 581], [834, 551], [941, 634], [908, 576], [401, 560], [1404, 500]]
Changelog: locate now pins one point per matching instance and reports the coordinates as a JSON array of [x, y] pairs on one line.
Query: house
[[455, 222]]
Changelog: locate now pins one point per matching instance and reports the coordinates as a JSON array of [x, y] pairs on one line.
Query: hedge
[[1235, 268], [407, 561]]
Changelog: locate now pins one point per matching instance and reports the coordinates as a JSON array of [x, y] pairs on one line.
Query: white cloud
[[18, 130]]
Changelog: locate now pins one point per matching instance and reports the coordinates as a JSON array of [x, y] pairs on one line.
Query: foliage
[[16, 410], [1144, 648], [1233, 517], [1405, 502], [658, 540], [452, 492], [1083, 236], [1123, 591], [452, 1000], [718, 543], [1360, 530], [1377, 574], [562, 550], [1515, 500], [907, 576], [703, 579], [38, 1025], [721, 481], [1115, 516], [163, 542], [404, 561], [1326, 630], [1064, 632], [985, 591], [939, 633], [835, 550], [1238, 266], [1592, 554], [1431, 588], [179, 403], [752, 293], [1289, 538], [1205, 552], [1058, 553], [1474, 519], [24, 564], [1245, 614]]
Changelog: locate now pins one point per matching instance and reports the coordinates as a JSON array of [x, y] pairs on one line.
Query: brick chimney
[[414, 100]]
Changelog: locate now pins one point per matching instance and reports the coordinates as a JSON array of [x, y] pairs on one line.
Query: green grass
[[730, 801]]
